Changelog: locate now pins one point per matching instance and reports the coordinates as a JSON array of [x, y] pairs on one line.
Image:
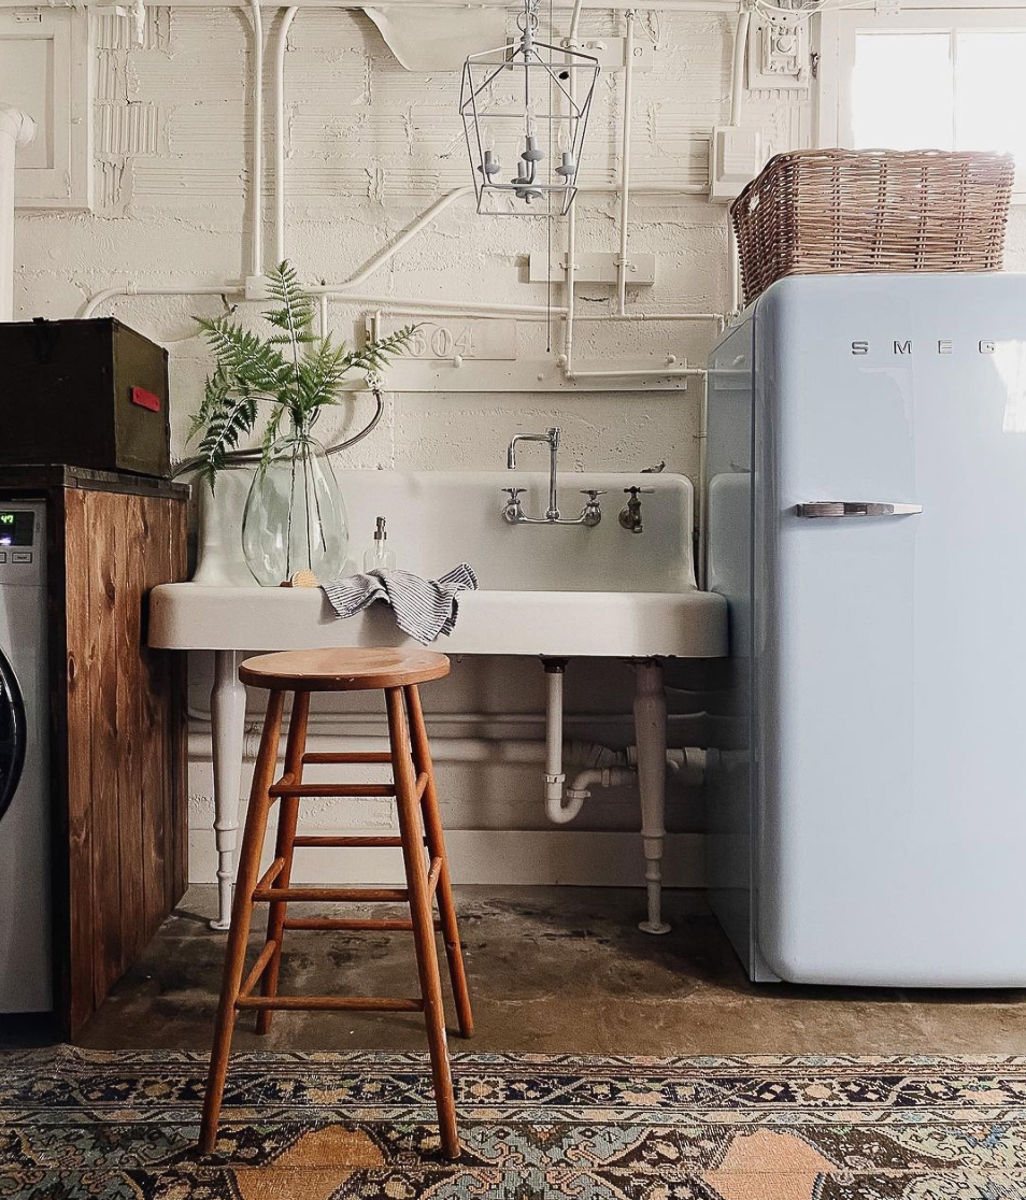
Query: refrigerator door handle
[[855, 508]]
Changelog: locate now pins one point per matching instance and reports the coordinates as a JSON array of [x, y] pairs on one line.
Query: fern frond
[[376, 354], [248, 362]]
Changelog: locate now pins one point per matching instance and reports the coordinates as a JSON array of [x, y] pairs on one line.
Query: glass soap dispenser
[[379, 556]]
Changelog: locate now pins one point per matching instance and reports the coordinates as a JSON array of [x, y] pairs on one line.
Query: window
[[948, 79]]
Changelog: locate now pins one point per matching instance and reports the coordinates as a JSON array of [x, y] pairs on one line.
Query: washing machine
[[26, 966]]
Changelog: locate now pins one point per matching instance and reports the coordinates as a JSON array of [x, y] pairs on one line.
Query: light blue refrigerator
[[867, 524]]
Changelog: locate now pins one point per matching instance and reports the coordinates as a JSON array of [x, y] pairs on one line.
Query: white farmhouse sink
[[550, 590], [557, 591]]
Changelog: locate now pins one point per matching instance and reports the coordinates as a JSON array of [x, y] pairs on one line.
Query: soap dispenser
[[379, 557]]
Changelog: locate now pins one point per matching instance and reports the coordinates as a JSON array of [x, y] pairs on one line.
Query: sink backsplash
[[439, 518]]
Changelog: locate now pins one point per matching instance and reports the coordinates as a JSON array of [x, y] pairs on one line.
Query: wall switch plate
[[778, 52], [592, 268], [735, 158], [611, 52]]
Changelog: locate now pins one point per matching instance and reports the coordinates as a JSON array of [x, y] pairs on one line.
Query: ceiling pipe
[[695, 6]]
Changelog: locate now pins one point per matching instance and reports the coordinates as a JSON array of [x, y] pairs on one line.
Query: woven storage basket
[[813, 212]]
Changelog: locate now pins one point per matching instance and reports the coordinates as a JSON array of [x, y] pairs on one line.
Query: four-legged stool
[[398, 673]]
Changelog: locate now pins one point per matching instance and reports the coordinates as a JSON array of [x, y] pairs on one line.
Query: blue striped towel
[[424, 608]]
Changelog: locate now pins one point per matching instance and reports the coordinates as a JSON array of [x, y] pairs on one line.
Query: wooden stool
[[397, 673]]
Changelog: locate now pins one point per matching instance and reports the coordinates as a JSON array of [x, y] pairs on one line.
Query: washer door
[[13, 733]]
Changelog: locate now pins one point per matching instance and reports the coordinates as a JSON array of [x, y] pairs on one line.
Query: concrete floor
[[551, 970]]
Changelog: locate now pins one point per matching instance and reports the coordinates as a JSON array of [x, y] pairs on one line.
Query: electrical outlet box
[[735, 158], [778, 52]]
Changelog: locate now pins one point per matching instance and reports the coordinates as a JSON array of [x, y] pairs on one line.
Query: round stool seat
[[346, 669]]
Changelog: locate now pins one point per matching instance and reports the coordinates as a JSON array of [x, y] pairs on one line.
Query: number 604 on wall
[[462, 338]]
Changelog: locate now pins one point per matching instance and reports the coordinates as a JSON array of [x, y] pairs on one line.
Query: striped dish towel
[[424, 608]]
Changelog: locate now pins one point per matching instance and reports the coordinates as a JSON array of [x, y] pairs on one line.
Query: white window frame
[[833, 38]]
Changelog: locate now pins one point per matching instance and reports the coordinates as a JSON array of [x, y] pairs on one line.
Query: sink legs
[[650, 734], [228, 719], [228, 715]]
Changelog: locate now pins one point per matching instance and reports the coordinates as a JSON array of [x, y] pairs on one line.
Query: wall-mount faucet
[[630, 514], [513, 511]]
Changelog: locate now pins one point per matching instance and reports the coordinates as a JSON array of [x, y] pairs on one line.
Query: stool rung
[[422, 782], [396, 923], [347, 841], [271, 874], [433, 873], [370, 757], [344, 1003], [251, 980], [332, 895], [285, 788]]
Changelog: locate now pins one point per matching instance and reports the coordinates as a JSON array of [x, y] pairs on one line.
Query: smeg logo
[[905, 349]]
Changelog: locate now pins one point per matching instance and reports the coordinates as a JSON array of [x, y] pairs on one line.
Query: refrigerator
[[866, 522]]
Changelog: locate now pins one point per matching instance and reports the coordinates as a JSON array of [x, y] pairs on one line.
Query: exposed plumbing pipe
[[554, 776], [16, 129], [625, 164], [737, 92], [570, 277], [280, 46], [737, 79], [393, 304], [256, 184], [696, 6]]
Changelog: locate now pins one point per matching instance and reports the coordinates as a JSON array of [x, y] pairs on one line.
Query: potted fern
[[295, 517]]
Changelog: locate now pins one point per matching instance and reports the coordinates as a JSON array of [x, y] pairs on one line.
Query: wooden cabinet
[[117, 723]]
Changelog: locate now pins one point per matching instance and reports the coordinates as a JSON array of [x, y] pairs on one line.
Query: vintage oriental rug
[[319, 1126]]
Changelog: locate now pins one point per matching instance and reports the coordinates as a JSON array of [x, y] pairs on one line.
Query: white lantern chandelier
[[525, 110]]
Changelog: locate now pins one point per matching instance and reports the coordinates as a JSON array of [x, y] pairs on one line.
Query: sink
[[550, 590]]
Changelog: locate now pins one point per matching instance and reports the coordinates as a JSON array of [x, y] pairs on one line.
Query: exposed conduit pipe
[[737, 92], [16, 129], [280, 46], [570, 277], [695, 6], [256, 184], [625, 164], [394, 304]]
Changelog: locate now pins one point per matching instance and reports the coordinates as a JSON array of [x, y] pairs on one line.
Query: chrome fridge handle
[[856, 508]]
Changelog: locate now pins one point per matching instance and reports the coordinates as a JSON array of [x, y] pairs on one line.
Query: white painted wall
[[369, 145]]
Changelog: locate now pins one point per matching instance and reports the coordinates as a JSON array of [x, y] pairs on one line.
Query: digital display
[[16, 528]]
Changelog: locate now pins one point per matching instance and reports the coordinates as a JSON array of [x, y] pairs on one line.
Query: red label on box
[[145, 399]]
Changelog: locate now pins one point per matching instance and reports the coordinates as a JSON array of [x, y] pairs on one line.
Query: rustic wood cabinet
[[117, 723]]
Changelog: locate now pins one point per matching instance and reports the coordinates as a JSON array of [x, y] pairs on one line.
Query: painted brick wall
[[369, 145]]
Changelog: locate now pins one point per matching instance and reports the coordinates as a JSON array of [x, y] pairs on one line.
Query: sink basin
[[552, 590]]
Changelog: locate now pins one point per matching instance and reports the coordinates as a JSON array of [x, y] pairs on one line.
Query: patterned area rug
[[332, 1126]]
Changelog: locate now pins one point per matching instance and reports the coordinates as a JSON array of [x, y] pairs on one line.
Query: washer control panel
[[23, 543]]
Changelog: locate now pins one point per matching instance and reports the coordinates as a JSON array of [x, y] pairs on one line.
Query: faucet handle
[[514, 492], [593, 493], [638, 491]]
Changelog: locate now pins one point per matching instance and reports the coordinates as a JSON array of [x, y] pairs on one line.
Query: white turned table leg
[[650, 734], [228, 721]]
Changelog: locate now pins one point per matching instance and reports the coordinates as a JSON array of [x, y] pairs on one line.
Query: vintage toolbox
[[85, 393]]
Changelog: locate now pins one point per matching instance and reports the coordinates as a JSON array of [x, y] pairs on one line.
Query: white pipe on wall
[[280, 46], [16, 129], [256, 183], [737, 79], [625, 165], [695, 6]]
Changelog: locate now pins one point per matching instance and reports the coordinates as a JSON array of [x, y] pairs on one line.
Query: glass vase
[[295, 518]]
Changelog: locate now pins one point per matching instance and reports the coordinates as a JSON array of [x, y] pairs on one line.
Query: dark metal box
[[90, 393]]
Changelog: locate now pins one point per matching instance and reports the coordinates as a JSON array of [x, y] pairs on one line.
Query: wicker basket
[[813, 212]]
